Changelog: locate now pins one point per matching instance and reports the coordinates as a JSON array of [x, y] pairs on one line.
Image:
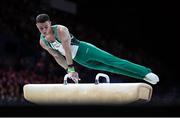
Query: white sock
[[151, 78]]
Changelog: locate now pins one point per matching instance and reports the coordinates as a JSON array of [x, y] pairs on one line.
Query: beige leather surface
[[105, 93]]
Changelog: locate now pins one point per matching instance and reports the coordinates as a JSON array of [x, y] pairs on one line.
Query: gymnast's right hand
[[74, 76]]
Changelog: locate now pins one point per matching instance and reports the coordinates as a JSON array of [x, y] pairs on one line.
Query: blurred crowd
[[23, 61]]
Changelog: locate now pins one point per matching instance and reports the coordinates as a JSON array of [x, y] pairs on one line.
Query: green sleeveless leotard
[[57, 44]]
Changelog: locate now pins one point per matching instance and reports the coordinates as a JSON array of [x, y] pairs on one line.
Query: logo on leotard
[[56, 44]]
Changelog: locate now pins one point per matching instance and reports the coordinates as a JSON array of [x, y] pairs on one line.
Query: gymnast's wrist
[[70, 68]]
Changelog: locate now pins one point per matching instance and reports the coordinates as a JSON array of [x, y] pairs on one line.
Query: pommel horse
[[87, 93]]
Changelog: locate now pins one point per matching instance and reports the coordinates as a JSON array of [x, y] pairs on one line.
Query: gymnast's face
[[44, 28]]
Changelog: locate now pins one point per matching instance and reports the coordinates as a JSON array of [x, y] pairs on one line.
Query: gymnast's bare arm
[[57, 56], [64, 34], [66, 41]]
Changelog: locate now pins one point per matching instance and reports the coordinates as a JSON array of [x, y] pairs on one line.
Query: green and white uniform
[[57, 44], [92, 57]]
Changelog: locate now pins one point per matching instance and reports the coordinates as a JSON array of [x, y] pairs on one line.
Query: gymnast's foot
[[151, 78]]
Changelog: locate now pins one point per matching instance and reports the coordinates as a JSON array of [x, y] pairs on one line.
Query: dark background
[[144, 33]]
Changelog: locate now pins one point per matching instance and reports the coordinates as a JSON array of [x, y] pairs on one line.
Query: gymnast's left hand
[[74, 76]]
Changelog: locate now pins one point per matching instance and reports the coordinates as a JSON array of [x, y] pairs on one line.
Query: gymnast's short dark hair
[[41, 18]]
